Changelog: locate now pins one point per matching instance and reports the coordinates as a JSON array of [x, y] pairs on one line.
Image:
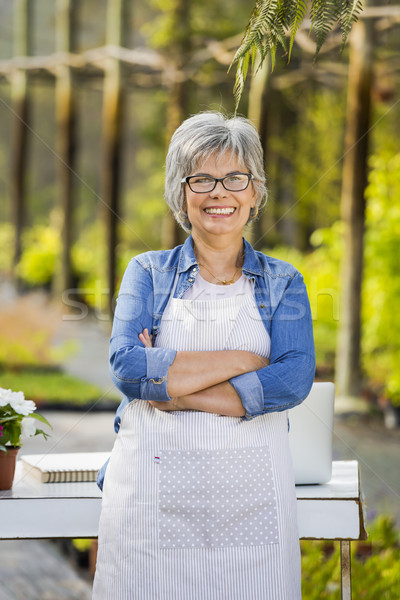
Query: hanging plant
[[274, 22]]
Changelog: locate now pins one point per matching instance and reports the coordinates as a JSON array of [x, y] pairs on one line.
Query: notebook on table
[[311, 435], [64, 468]]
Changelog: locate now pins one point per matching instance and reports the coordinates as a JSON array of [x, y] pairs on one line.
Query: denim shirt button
[[190, 279], [262, 305]]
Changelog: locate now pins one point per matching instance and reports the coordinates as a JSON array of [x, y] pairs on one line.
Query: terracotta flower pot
[[7, 467]]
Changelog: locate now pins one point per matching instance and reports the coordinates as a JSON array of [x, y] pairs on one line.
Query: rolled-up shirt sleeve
[[138, 372], [287, 380]]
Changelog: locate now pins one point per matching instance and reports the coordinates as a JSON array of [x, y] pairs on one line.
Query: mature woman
[[211, 345]]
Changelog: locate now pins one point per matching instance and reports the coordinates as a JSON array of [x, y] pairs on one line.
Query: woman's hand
[[221, 399], [145, 338], [173, 404], [257, 362]]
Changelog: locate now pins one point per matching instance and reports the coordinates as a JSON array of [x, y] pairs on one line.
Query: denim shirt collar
[[251, 263]]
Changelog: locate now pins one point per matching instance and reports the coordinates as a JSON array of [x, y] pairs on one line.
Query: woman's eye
[[202, 180], [233, 178]]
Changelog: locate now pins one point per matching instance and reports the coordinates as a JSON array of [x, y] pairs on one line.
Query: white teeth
[[219, 211]]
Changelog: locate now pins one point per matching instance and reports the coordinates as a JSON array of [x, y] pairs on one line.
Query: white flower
[[28, 427], [5, 396], [20, 405]]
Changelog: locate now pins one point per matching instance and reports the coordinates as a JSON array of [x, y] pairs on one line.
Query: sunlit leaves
[[272, 21]]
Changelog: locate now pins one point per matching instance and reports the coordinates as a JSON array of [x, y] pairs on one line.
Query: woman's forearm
[[220, 399], [192, 372]]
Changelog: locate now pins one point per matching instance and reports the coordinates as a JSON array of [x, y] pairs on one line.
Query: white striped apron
[[198, 506]]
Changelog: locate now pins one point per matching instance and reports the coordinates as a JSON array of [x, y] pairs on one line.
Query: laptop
[[311, 435]]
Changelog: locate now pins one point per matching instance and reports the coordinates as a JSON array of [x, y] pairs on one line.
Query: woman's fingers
[[172, 404], [161, 405], [145, 338], [259, 362]]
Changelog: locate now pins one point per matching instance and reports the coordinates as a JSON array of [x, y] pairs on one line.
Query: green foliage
[[313, 145], [175, 21], [19, 352], [82, 544], [347, 14], [323, 16], [381, 281], [320, 269], [299, 9], [375, 566], [6, 247], [381, 292], [53, 387], [41, 249], [270, 19]]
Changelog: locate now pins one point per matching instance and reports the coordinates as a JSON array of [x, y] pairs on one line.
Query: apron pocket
[[216, 498]]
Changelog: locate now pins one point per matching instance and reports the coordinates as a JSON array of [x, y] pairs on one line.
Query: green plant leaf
[[348, 12], [40, 418], [300, 9], [270, 21]]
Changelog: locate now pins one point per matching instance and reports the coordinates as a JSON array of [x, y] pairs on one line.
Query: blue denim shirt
[[282, 301]]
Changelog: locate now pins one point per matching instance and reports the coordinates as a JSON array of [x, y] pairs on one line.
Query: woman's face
[[204, 209]]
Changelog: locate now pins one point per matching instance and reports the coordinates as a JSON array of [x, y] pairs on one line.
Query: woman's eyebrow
[[208, 174]]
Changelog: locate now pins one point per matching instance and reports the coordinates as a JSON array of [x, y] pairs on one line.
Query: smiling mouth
[[219, 211]]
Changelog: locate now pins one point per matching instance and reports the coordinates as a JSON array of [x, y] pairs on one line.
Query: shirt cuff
[[250, 390], [154, 385]]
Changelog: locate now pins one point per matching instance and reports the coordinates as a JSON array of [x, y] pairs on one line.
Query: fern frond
[[285, 12], [271, 19], [261, 20], [263, 33], [240, 79], [348, 12], [297, 17], [323, 17]]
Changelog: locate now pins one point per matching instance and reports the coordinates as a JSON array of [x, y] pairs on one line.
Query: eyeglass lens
[[232, 183]]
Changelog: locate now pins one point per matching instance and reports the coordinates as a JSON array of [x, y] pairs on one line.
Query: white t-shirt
[[204, 290]]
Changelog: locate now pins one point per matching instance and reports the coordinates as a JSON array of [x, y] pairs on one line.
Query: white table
[[71, 510]]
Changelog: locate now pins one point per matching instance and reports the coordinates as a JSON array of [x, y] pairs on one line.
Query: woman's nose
[[219, 190]]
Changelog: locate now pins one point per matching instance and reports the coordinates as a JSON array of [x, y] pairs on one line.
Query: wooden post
[[112, 137], [348, 371], [345, 569], [66, 142], [23, 26]]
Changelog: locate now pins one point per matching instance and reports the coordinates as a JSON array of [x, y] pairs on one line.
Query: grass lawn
[[53, 387]]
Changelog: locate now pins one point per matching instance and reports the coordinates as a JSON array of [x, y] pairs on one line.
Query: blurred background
[[90, 93]]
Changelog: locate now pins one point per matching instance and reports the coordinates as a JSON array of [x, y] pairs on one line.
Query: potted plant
[[17, 418]]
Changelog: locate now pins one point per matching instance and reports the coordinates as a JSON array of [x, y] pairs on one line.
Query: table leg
[[345, 569]]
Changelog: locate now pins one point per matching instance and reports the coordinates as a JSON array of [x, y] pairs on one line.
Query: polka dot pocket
[[216, 498]]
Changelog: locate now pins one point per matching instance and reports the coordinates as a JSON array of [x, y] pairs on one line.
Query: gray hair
[[202, 136]]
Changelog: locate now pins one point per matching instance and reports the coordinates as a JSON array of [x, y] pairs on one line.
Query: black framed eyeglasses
[[201, 184]]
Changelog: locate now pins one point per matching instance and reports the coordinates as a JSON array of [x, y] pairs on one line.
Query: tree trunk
[[258, 114], [112, 139], [66, 142], [178, 101], [23, 32], [348, 371], [286, 220]]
